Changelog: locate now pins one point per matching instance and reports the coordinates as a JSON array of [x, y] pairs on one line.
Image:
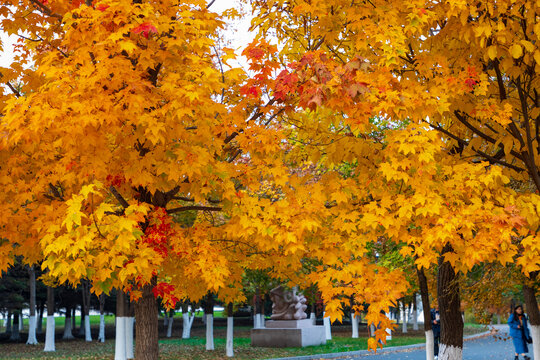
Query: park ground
[[194, 348]]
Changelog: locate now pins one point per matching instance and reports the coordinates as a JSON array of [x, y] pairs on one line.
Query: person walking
[[436, 327], [519, 331]]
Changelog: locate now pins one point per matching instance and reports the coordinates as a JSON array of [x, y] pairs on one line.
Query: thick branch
[[491, 159], [119, 197], [463, 120], [193, 207], [530, 158]]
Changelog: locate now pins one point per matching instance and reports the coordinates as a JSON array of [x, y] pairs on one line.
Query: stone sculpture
[[287, 304]]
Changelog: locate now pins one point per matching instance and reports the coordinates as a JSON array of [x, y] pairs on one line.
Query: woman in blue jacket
[[519, 331]]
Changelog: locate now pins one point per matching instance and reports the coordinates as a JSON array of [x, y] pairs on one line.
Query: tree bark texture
[[146, 310], [531, 305], [451, 347]]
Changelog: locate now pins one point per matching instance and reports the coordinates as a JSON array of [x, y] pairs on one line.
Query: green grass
[[193, 348], [59, 320]]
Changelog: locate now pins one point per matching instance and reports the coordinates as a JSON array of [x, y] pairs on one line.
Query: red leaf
[[145, 28], [102, 7]]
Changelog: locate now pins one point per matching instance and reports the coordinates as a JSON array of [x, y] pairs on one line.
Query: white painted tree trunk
[[87, 331], [354, 322], [32, 340], [120, 341], [327, 328], [68, 334], [169, 326], [261, 320], [388, 334], [415, 318], [449, 352], [404, 328], [535, 335], [313, 318], [187, 321], [229, 350], [209, 331], [21, 327], [101, 336], [430, 345], [49, 334], [130, 354]]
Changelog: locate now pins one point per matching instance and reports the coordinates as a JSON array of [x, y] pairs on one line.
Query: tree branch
[[489, 158], [119, 197], [55, 192], [44, 9], [193, 207], [486, 137]]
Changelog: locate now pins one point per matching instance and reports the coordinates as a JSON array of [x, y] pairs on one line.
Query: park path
[[497, 346], [486, 348]]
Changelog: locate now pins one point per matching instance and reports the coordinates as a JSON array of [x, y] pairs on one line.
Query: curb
[[390, 349]]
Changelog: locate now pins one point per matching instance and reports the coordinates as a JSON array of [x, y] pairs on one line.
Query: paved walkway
[[488, 347]]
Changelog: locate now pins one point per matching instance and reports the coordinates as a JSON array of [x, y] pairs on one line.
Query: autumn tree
[[465, 69], [126, 118]]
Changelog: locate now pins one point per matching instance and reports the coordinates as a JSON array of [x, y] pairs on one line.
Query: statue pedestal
[[288, 333]]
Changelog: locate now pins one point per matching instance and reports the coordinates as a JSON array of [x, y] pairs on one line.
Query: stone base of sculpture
[[288, 333]]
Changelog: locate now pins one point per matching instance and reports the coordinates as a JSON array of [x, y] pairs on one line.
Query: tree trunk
[[130, 354], [101, 336], [120, 327], [86, 303], [40, 319], [8, 322], [170, 323], [424, 294], [130, 321], [534, 316], [15, 334], [146, 311], [451, 347], [68, 334], [81, 323], [209, 315], [354, 323], [404, 328], [49, 334], [415, 313], [21, 322], [74, 318], [327, 326], [187, 321], [229, 349]]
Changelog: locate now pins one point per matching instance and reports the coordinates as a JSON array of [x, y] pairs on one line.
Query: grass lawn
[[194, 348]]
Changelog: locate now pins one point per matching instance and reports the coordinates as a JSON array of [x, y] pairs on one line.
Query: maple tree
[[125, 119], [129, 117], [465, 69]]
